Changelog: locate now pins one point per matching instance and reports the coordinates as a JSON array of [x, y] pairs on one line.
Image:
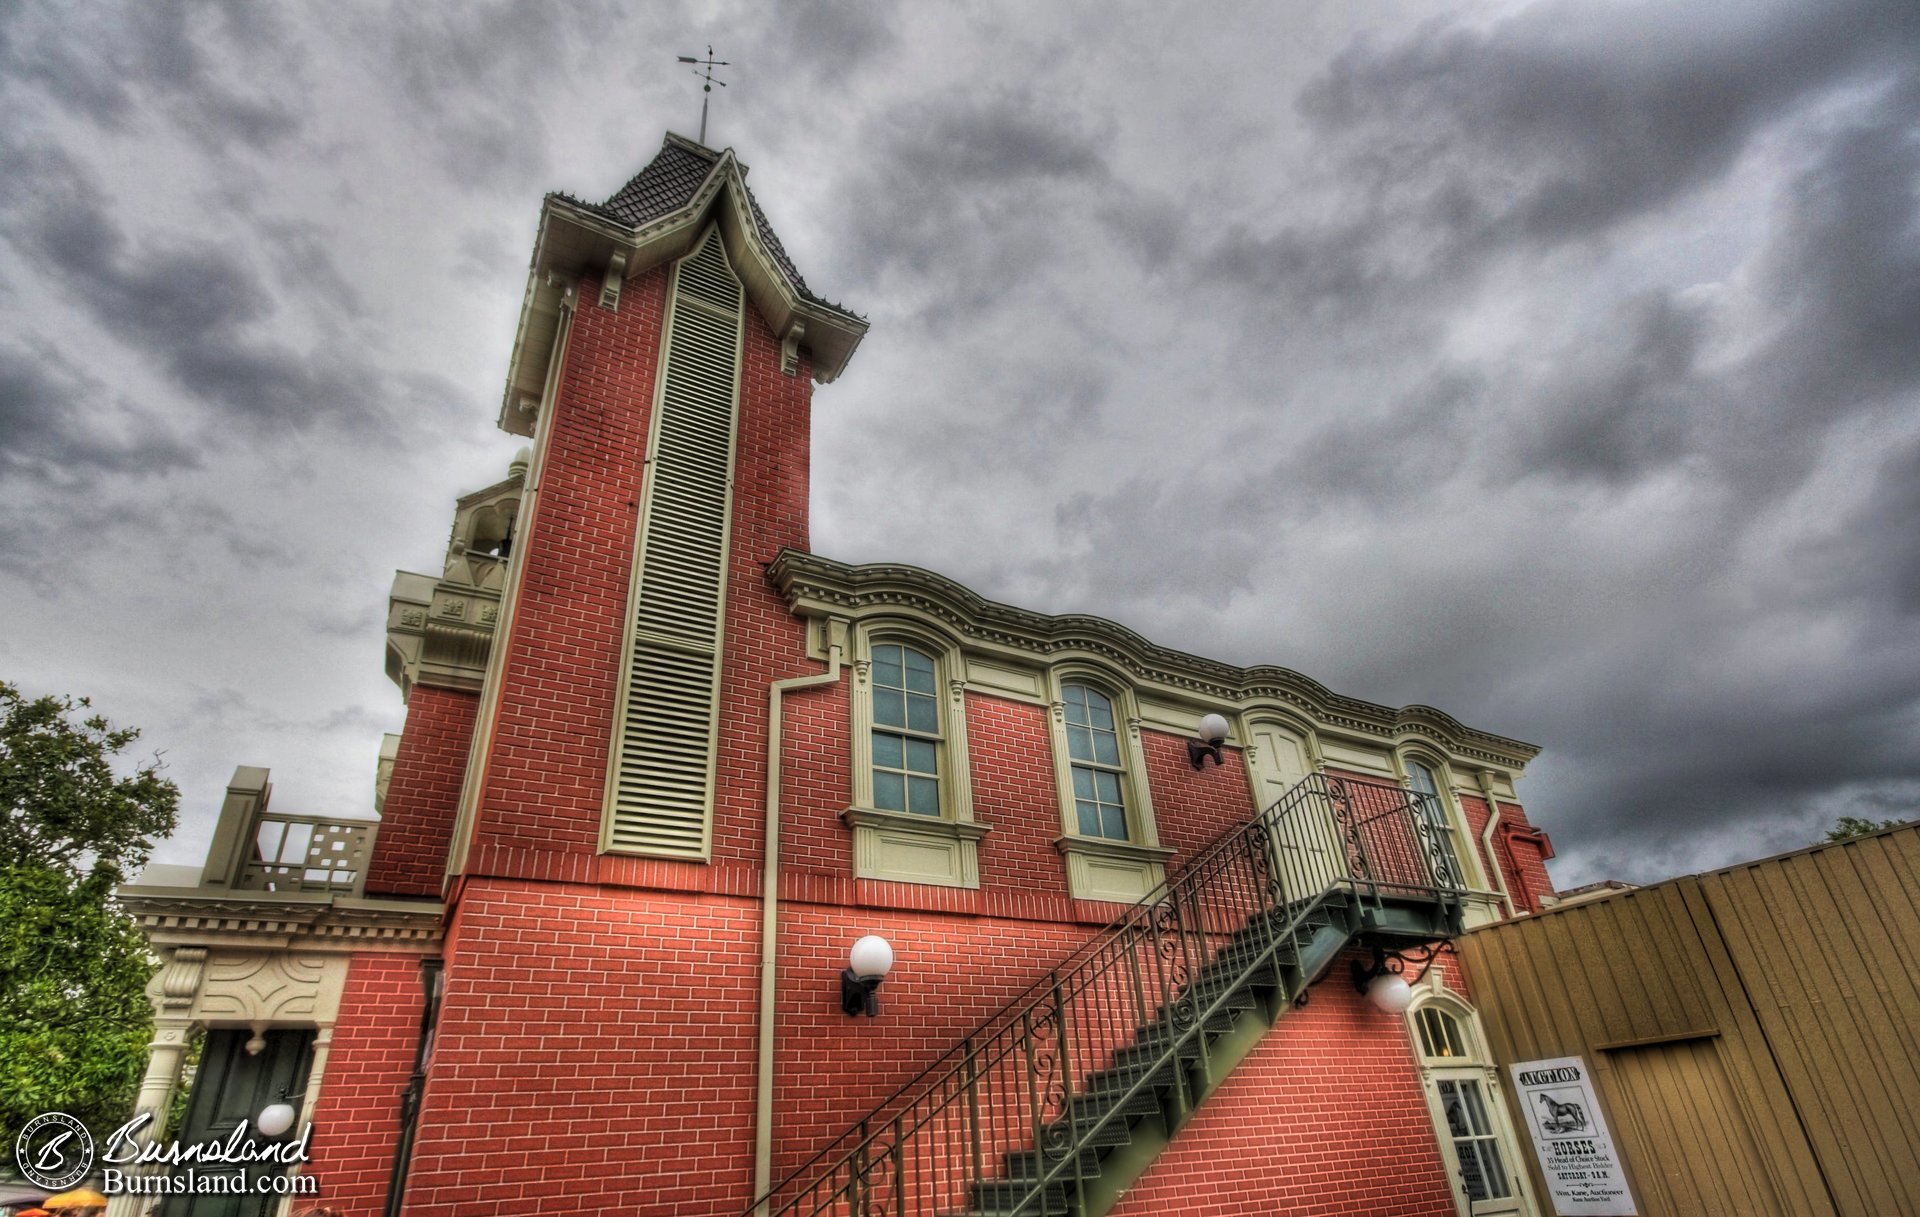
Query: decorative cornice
[[817, 587], [193, 918]]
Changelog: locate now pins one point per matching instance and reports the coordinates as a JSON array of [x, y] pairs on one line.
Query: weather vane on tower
[[709, 63]]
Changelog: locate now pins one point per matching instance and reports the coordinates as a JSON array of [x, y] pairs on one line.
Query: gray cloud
[[63, 425], [1558, 368], [107, 65], [961, 189]]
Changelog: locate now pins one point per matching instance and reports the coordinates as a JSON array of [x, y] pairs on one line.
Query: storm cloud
[[1554, 364]]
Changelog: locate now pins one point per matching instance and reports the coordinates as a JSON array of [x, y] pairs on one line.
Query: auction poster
[[1571, 1140]]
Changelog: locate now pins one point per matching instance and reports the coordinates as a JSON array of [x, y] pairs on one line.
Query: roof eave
[[577, 239]]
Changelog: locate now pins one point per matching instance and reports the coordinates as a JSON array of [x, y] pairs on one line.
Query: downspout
[[1486, 841], [770, 908], [430, 976]]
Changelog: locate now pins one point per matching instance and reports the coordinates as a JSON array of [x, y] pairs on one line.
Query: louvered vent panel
[[661, 788]]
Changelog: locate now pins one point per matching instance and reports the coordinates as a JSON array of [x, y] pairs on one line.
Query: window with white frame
[[1108, 838], [911, 812], [1093, 749], [1463, 1095], [1434, 812], [906, 730]]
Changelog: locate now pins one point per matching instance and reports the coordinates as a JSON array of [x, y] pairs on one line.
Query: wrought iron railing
[[1016, 1116]]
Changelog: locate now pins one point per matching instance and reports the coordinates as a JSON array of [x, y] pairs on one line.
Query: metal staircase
[[1060, 1099]]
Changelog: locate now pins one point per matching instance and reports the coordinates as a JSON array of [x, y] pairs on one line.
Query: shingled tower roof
[[658, 216], [673, 179]]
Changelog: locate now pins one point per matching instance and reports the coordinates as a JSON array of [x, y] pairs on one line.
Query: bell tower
[[663, 369]]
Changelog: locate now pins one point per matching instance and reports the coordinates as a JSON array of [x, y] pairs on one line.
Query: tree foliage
[[1848, 827], [74, 1017]]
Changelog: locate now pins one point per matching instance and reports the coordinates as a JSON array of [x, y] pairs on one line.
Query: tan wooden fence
[[1754, 1031]]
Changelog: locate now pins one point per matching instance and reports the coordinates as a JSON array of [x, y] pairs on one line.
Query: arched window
[[1099, 777], [1434, 809], [1463, 1096], [911, 810], [1440, 1037], [906, 730], [1107, 831]]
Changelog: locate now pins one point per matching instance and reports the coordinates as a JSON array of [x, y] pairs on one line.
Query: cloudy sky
[[1556, 364]]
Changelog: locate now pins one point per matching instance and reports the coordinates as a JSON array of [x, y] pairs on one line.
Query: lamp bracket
[[857, 994], [1396, 961], [1198, 750]]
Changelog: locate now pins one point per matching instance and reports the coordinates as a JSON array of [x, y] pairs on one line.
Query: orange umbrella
[[33, 1213], [78, 1198]]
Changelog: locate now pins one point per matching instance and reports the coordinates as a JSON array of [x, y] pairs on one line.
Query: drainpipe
[[1486, 840], [430, 974], [770, 907]]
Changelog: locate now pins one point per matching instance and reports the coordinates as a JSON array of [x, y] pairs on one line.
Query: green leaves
[[61, 802], [74, 1016]]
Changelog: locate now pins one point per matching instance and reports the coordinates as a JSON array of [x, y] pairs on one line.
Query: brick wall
[[595, 1051], [949, 974], [545, 778], [1324, 1118], [357, 1118], [1194, 807], [410, 852]]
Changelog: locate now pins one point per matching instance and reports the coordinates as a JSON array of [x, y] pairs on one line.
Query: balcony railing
[[258, 850], [307, 854]]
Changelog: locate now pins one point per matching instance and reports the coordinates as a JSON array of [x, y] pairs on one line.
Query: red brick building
[[663, 766]]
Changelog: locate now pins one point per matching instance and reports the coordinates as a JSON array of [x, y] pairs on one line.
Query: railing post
[[857, 1184], [899, 1152], [973, 1108], [1133, 974], [1066, 1091]]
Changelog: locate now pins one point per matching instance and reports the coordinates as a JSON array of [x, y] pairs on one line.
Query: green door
[[234, 1085]]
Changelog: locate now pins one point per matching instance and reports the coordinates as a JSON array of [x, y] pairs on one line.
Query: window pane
[[1108, 786], [1076, 699], [920, 756], [1082, 783], [1089, 819], [923, 714], [1496, 1170], [1099, 711], [919, 672], [923, 796], [1079, 743], [886, 750], [1476, 1109], [1106, 749], [889, 792], [1450, 1104], [886, 667], [1473, 1175], [1113, 823], [889, 708]]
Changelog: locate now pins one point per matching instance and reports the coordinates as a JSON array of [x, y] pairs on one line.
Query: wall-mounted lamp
[[277, 1118], [1213, 732], [1385, 982], [867, 965]]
